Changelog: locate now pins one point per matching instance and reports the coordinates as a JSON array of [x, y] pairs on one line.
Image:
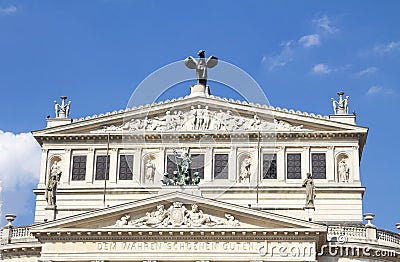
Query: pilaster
[[65, 175], [330, 164], [208, 164], [89, 166], [305, 162], [43, 166], [280, 162], [137, 163], [355, 174], [113, 165], [232, 175]]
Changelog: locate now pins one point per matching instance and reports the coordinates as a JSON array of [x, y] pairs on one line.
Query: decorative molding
[[201, 118], [177, 215]]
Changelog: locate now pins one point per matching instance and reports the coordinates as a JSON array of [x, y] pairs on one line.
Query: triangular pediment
[[180, 211], [194, 114]]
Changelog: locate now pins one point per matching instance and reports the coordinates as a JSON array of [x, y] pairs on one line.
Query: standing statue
[[183, 175], [201, 66], [343, 171], [62, 111], [341, 106], [150, 168], [310, 190], [51, 188], [245, 170]]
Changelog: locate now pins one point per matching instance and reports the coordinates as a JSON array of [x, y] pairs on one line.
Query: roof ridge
[[229, 100]]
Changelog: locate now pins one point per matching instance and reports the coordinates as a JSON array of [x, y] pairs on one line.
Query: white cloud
[[321, 69], [284, 57], [19, 160], [325, 24], [387, 48], [367, 71], [8, 10], [310, 40], [374, 90]]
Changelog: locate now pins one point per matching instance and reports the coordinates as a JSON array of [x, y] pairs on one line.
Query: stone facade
[[250, 204]]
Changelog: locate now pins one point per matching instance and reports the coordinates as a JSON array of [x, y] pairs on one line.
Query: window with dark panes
[[269, 166], [78, 168], [318, 164], [125, 167], [221, 166], [197, 164], [293, 166], [171, 165], [102, 167]]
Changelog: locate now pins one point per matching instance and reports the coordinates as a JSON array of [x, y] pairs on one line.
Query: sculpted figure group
[[202, 118], [177, 215]]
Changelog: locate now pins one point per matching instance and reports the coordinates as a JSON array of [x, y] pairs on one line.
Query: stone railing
[[388, 238], [363, 234], [348, 233], [17, 235]]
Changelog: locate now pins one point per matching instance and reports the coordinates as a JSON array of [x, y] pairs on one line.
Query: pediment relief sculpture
[[177, 215], [201, 118]]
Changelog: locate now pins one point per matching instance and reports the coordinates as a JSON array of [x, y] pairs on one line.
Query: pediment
[[178, 210], [200, 114]]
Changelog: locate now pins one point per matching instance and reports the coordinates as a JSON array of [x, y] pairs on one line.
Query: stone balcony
[[362, 234]]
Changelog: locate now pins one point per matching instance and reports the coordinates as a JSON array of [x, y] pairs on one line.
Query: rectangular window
[[78, 168], [171, 166], [269, 166], [221, 166], [318, 164], [293, 165], [197, 164], [125, 167], [102, 167]]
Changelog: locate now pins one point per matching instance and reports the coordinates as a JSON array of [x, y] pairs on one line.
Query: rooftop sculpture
[[201, 66]]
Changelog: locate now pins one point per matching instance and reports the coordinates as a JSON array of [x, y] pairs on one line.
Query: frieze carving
[[177, 215], [201, 118]]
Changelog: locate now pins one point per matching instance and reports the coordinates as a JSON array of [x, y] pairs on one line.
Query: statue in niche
[[201, 66], [150, 170], [341, 106], [51, 188], [343, 171], [310, 190], [245, 170]]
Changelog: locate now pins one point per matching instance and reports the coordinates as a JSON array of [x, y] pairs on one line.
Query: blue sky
[[300, 52]]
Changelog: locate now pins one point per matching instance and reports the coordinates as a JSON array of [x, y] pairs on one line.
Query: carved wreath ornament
[[177, 215]]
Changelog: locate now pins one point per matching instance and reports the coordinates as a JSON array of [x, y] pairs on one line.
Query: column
[[281, 163], [113, 152], [330, 164], [232, 162], [65, 175], [89, 166], [305, 162]]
